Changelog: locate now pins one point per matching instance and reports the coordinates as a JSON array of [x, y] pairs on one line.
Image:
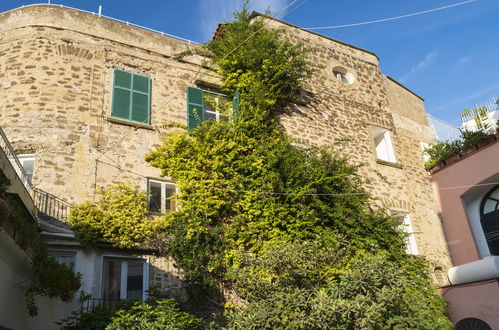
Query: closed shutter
[[121, 94], [131, 97], [140, 99], [235, 106], [490, 225], [195, 113]]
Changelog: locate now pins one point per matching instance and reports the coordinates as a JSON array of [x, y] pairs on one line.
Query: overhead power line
[[389, 18]]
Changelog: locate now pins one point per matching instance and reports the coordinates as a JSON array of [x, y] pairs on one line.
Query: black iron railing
[[51, 206], [16, 164], [88, 305]]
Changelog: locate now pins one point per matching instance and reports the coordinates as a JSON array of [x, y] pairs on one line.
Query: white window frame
[[383, 144], [163, 193], [124, 272], [217, 98], [411, 246], [27, 157], [424, 146], [64, 254]]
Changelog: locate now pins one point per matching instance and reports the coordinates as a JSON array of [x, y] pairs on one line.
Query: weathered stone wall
[[56, 71], [336, 111]]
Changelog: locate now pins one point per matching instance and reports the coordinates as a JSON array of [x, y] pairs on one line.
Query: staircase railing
[[16, 164], [51, 206]]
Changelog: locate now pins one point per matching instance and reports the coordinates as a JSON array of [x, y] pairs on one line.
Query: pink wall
[[450, 184], [456, 186], [479, 301]]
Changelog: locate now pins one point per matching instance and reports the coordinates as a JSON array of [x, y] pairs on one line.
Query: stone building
[[84, 98]]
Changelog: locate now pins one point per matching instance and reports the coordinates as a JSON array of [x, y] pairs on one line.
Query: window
[[406, 225], [161, 196], [489, 219], [383, 144], [472, 323], [64, 257], [124, 278], [206, 105], [424, 146], [131, 97], [28, 163], [343, 75]]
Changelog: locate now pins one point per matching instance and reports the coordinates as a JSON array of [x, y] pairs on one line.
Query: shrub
[[371, 292], [138, 315], [120, 216]]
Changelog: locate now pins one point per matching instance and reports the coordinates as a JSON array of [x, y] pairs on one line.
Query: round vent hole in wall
[[343, 75]]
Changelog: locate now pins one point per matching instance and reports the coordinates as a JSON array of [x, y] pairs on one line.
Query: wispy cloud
[[463, 61], [219, 11], [428, 59], [470, 98]]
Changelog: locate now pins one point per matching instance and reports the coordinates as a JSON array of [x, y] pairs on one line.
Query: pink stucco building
[[467, 189]]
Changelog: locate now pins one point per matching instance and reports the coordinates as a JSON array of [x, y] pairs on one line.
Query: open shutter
[[195, 113], [235, 106]]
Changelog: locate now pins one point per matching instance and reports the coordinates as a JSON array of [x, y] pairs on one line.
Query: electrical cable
[[389, 18]]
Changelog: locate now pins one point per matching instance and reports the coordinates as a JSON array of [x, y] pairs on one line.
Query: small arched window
[[489, 219], [472, 324], [343, 75]]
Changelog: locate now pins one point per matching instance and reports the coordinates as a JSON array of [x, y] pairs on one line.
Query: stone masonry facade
[[56, 76]]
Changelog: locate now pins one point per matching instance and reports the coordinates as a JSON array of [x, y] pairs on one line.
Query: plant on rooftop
[[291, 231], [439, 151]]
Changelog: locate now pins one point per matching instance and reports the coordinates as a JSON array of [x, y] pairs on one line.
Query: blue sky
[[448, 57]]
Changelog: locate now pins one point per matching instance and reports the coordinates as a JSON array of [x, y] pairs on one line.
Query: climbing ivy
[[247, 192], [120, 216]]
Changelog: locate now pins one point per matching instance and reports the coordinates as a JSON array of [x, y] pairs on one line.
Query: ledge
[[476, 271], [463, 154], [129, 123], [387, 163]]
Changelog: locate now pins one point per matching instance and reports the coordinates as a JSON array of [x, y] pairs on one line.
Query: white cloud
[[463, 61], [213, 12], [428, 59], [469, 98]]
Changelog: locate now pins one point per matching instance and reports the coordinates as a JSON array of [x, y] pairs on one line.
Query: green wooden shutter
[[141, 99], [121, 94], [131, 97], [235, 106], [195, 113]]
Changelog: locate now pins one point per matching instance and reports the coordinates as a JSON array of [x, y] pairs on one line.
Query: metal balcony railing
[[99, 14], [16, 164], [50, 206], [88, 305]]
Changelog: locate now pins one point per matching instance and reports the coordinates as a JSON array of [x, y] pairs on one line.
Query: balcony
[[20, 184], [39, 203], [89, 304]]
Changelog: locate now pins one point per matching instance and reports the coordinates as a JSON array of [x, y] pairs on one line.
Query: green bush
[[439, 151], [120, 216], [138, 315], [308, 286], [289, 229], [164, 315]]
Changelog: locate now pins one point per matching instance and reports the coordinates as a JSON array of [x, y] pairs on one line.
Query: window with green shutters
[[131, 97], [206, 105]]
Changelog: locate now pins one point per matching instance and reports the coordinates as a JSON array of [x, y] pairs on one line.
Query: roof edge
[[255, 14], [407, 89]]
